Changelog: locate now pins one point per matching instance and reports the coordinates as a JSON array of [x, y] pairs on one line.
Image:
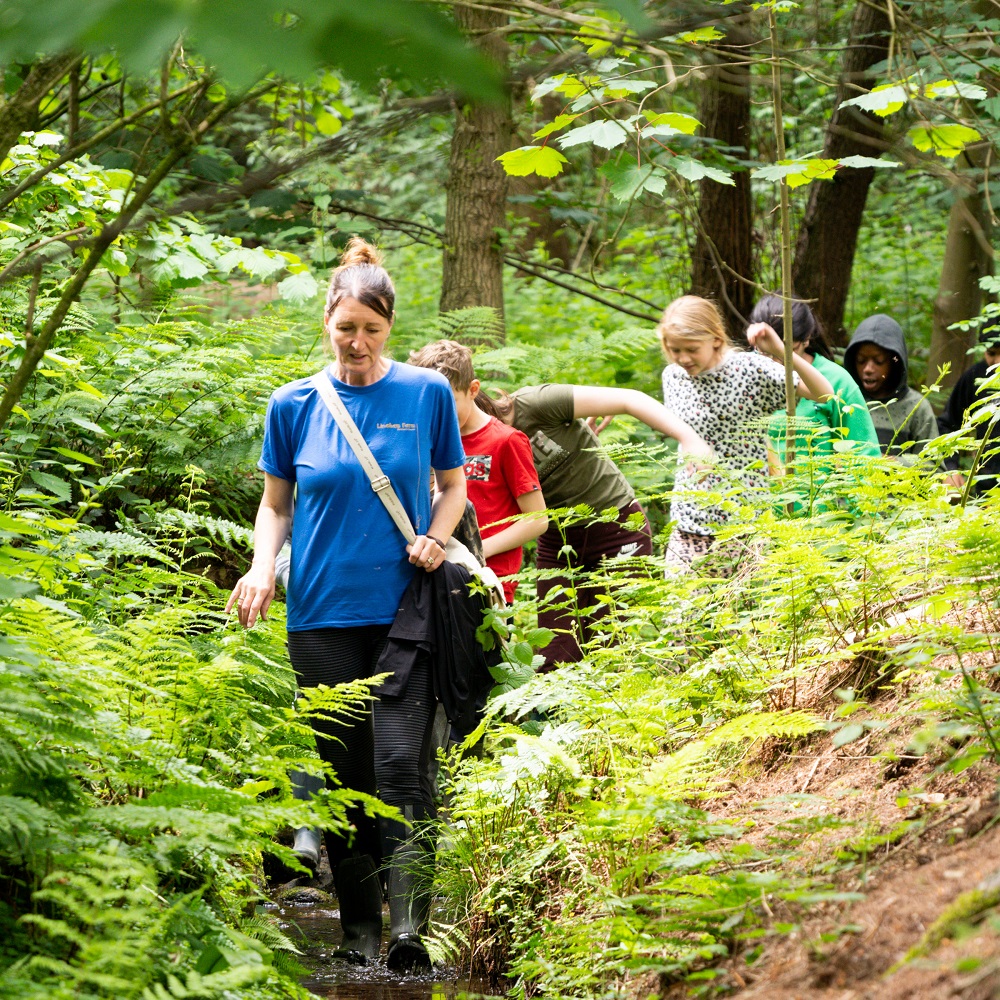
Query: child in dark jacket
[[970, 390], [877, 358]]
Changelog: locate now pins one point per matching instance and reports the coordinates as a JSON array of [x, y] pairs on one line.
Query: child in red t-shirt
[[499, 468]]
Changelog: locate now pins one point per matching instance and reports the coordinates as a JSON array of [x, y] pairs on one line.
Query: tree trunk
[[967, 258], [722, 263], [19, 112], [828, 238], [476, 210]]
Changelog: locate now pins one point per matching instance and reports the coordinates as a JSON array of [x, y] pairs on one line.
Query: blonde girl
[[727, 396]]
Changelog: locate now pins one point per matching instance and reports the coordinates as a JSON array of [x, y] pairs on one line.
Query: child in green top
[[839, 424]]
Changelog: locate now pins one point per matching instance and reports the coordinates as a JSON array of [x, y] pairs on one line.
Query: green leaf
[[699, 35], [955, 88], [816, 170], [561, 121], [944, 140], [631, 10], [795, 173], [10, 587], [89, 425], [75, 455], [882, 101], [242, 40], [59, 487], [542, 160], [256, 261], [866, 161], [629, 179], [300, 287], [603, 132], [327, 124], [684, 124], [695, 170], [848, 734]]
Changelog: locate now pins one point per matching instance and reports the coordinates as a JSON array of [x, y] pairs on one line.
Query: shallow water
[[316, 931]]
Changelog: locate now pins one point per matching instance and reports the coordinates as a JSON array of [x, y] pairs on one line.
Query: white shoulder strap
[[455, 551], [380, 482]]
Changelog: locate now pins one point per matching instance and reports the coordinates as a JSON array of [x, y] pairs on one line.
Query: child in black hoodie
[[877, 358], [968, 391]]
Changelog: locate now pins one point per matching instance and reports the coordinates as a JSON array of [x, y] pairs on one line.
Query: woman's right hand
[[252, 595]]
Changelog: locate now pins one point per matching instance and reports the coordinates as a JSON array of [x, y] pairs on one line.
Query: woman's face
[[873, 365], [358, 335], [693, 354]]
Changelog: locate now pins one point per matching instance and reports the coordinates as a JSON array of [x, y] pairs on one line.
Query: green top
[[821, 427], [571, 464]]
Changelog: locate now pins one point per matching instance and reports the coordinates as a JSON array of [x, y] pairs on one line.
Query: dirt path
[[912, 840]]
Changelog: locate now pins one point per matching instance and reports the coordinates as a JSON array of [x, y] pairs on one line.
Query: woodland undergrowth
[[146, 742], [583, 856]]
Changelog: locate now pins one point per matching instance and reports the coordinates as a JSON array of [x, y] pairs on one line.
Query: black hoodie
[[905, 416]]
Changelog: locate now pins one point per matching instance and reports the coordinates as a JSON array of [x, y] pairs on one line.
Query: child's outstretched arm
[[523, 529], [599, 401], [812, 384]]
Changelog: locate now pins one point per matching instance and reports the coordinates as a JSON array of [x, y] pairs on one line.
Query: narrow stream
[[315, 929]]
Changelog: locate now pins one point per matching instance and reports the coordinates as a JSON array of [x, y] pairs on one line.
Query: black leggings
[[385, 752]]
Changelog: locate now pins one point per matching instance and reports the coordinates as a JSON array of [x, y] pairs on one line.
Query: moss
[[965, 908]]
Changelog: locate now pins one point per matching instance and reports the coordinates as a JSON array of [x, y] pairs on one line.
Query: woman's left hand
[[426, 552], [765, 339]]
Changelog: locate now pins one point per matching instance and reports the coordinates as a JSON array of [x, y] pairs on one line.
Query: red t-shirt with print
[[498, 469]]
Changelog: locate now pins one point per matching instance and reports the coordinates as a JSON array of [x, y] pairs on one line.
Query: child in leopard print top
[[727, 396]]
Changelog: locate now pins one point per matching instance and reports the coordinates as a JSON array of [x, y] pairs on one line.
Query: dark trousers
[[385, 751], [591, 544]]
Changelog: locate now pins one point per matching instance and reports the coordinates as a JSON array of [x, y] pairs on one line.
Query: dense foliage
[[168, 213]]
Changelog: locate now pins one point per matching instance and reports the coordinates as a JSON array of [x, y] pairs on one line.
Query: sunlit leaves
[[300, 287], [887, 99], [701, 36], [327, 124], [797, 173], [945, 140], [542, 160], [606, 133], [677, 123], [955, 88], [881, 101], [866, 161], [559, 122], [695, 170], [563, 83]]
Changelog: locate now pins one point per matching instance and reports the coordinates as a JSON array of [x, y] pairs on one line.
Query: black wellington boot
[[307, 838], [411, 864], [359, 892]]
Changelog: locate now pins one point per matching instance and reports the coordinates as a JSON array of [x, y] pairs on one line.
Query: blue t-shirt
[[349, 561]]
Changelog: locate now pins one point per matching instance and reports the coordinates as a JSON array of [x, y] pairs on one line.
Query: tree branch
[[36, 348]]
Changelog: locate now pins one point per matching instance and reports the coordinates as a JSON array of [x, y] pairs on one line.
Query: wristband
[[437, 541]]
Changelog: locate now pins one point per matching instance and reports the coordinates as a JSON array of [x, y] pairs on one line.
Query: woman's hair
[[692, 316], [361, 276], [805, 327]]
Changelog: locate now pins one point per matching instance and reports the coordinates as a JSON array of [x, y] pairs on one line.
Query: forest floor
[[918, 844]]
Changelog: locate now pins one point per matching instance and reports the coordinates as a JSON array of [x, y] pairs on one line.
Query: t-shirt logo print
[[478, 467]]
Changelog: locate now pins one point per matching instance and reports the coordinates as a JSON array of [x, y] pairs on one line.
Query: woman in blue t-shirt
[[349, 568]]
